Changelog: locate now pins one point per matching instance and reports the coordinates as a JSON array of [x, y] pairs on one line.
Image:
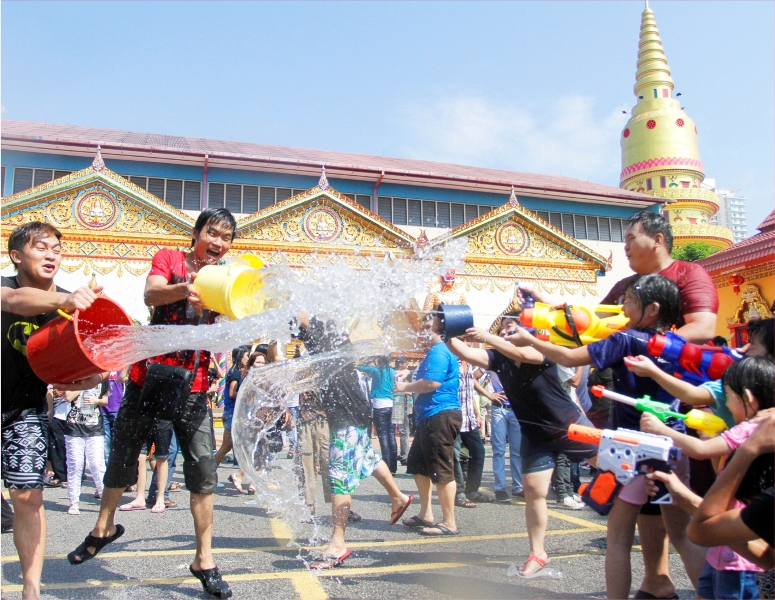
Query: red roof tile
[[524, 182], [768, 223], [755, 249]]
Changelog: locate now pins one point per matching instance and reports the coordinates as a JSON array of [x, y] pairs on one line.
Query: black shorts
[[193, 431], [432, 453], [541, 455], [160, 438]]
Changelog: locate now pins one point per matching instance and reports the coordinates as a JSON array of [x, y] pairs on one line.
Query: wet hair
[[764, 329], [254, 357], [756, 374], [401, 360], [30, 233], [720, 341], [658, 288], [653, 224], [215, 216]]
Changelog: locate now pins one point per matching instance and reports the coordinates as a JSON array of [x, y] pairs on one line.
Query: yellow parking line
[[308, 588], [300, 578], [410, 541]]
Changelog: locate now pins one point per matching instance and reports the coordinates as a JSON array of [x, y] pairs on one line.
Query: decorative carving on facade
[[751, 306], [753, 273], [710, 234]]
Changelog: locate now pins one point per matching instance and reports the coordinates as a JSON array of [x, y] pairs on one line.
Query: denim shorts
[[227, 417], [736, 585]]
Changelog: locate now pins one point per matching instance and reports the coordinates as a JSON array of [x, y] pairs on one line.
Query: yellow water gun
[[574, 325]]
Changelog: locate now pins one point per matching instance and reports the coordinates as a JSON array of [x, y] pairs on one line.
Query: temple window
[[247, 199], [685, 184], [24, 177], [648, 184], [663, 182]]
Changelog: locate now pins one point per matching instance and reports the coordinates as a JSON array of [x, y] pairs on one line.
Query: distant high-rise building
[[732, 212]]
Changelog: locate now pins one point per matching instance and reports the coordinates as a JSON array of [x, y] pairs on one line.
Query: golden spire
[[653, 75]]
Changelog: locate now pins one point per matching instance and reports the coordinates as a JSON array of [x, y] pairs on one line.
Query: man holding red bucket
[[29, 300], [172, 387]]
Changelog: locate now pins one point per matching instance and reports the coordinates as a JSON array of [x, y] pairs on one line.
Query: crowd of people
[[510, 386]]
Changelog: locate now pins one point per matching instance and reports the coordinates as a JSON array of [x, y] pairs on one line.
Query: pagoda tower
[[660, 154]]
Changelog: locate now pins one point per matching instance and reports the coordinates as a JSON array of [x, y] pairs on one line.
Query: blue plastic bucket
[[455, 319]]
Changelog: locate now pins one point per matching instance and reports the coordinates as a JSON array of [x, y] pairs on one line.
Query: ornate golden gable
[[320, 222], [107, 222], [511, 243]]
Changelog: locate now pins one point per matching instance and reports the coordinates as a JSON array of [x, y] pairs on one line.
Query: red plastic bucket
[[56, 352]]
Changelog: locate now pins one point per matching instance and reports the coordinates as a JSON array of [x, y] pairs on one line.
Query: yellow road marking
[[308, 588], [576, 520], [294, 576], [402, 542]]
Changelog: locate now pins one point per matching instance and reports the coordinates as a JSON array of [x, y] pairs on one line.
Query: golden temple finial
[[98, 164], [323, 182], [653, 75], [513, 198]]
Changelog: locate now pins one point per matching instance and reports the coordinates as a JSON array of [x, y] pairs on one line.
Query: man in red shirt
[[175, 301], [648, 242]]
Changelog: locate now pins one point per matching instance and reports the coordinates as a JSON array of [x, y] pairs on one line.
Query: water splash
[[334, 288]]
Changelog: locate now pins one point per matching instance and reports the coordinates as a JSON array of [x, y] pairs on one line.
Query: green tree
[[693, 252]]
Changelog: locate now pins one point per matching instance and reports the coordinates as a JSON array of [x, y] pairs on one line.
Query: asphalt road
[[151, 560]]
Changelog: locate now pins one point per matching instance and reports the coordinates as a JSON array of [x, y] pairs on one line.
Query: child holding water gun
[[652, 305], [749, 387], [761, 336]]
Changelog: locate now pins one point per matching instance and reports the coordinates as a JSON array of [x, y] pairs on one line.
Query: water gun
[[574, 325], [622, 455], [696, 419], [694, 364]]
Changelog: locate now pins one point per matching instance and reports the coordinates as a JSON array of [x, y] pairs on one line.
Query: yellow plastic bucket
[[233, 289]]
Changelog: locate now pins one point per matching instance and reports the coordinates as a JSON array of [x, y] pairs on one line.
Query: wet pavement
[[151, 560]]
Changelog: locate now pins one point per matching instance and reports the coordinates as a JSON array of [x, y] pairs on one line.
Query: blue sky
[[528, 86]]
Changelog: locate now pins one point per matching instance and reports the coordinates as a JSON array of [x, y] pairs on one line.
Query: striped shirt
[[467, 397]]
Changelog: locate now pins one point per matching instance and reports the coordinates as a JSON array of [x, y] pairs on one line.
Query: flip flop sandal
[[52, 482], [211, 582], [170, 504], [329, 562], [541, 562], [175, 487], [158, 510], [73, 510], [251, 489], [354, 517], [237, 483], [464, 503], [438, 527], [130, 506], [98, 543], [416, 521], [399, 512]]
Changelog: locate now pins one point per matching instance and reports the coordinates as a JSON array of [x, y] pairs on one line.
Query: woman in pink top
[[750, 388]]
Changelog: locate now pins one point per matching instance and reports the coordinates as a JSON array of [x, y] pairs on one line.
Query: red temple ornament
[[736, 281]]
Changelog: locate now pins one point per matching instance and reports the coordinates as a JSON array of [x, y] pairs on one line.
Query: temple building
[[744, 275], [119, 196], [660, 150]]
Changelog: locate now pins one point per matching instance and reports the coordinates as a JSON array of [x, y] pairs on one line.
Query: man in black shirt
[[544, 411], [29, 300]]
